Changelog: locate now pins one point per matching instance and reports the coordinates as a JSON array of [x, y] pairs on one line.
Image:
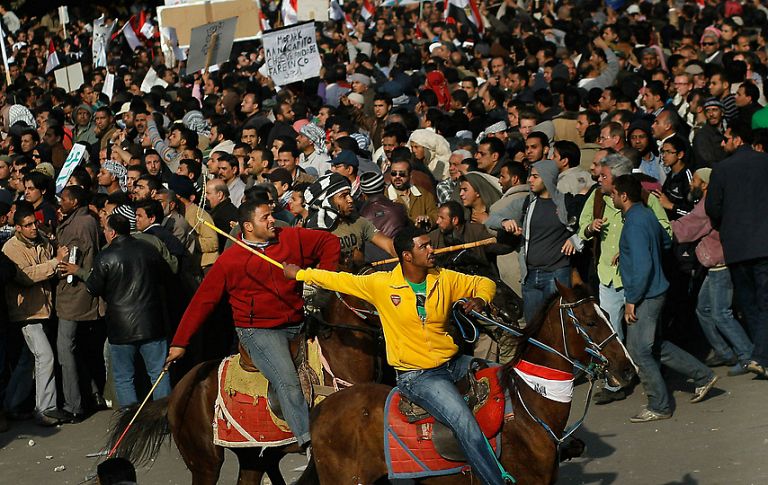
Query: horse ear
[[564, 291], [576, 278]]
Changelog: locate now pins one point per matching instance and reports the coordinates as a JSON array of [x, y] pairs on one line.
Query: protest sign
[[101, 36], [70, 164], [151, 80], [70, 78], [211, 44], [185, 17], [291, 53], [109, 86], [169, 42]]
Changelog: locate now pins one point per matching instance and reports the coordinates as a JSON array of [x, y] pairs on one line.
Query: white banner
[[72, 161], [101, 35], [291, 53]]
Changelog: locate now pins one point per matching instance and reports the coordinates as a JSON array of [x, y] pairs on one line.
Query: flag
[[53, 59], [289, 11], [130, 36], [458, 10], [368, 10], [101, 36], [264, 21]]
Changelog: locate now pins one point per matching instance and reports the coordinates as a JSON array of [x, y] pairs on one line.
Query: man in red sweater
[[267, 308]]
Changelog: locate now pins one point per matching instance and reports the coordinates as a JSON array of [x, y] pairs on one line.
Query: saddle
[[482, 393]]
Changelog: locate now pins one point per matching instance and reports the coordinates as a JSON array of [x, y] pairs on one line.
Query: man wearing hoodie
[[548, 241]]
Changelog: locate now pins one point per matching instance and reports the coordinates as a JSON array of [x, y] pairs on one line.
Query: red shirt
[[260, 295]]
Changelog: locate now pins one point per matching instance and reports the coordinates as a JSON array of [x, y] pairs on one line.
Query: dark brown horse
[[349, 335], [347, 428]]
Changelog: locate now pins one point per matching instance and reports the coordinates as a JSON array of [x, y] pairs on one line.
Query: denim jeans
[[435, 391], [538, 286], [269, 349], [750, 285], [123, 356], [716, 318], [646, 346], [37, 355], [612, 301]]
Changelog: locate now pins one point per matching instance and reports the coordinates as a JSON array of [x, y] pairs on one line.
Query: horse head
[[590, 338]]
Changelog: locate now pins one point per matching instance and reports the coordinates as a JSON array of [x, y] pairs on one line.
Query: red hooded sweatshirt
[[260, 295]]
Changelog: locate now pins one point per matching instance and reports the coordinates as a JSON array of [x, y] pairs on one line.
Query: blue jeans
[[716, 318], [269, 349], [122, 358], [434, 390], [750, 285], [645, 347], [538, 286]]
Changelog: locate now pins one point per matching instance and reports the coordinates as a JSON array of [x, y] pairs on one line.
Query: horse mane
[[579, 291]]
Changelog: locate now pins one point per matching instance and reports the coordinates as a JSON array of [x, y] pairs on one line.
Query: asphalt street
[[723, 440]]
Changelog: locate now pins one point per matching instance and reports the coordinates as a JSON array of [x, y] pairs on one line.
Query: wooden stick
[[211, 47], [241, 244], [448, 249]]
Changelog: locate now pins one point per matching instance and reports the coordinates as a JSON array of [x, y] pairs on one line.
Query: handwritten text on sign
[[291, 54]]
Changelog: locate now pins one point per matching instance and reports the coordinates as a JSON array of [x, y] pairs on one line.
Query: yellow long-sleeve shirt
[[411, 344]]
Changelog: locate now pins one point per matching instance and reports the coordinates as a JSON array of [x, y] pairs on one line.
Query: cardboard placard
[[211, 44], [109, 86], [72, 161], [185, 17], [313, 10], [151, 80], [70, 78], [291, 53]]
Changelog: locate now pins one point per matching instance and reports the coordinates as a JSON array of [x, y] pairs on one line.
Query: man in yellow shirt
[[414, 302]]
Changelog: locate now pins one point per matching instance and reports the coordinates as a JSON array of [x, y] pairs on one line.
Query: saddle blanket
[[242, 417], [408, 447]]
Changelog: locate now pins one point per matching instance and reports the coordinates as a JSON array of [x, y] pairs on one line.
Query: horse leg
[[190, 416], [347, 435], [254, 463]]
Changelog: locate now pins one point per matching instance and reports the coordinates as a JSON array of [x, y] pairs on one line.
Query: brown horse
[[348, 432], [350, 336]]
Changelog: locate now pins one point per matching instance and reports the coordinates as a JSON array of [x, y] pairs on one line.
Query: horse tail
[[142, 442]]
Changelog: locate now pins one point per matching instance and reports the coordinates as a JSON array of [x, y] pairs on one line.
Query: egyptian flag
[[53, 59], [465, 12], [289, 10], [368, 10]]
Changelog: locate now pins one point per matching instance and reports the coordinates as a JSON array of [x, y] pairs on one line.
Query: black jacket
[[129, 275], [736, 204], [676, 187], [222, 215]]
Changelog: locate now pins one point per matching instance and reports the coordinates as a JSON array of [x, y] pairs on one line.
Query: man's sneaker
[[717, 361], [756, 368], [605, 396], [738, 370], [701, 392], [53, 417], [646, 415]]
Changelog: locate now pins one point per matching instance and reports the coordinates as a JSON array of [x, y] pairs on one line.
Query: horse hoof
[[574, 449]]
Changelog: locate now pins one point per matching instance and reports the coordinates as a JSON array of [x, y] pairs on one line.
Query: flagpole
[[5, 57]]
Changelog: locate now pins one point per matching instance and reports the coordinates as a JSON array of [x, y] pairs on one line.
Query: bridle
[[594, 369]]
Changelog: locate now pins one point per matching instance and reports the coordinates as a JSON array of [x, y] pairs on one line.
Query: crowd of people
[[619, 146]]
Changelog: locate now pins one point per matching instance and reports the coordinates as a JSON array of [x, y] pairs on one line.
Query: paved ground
[[723, 440]]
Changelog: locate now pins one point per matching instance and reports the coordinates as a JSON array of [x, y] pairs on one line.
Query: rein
[[593, 349]]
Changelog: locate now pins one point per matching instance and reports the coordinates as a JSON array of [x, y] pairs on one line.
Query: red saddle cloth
[[408, 447], [242, 417]]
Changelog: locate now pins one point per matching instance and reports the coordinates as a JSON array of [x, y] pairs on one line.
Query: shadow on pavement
[[573, 472]]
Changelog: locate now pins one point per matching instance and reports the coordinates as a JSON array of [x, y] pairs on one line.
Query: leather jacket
[[128, 274], [388, 217]]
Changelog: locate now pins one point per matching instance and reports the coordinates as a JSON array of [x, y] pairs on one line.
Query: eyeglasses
[[395, 173]]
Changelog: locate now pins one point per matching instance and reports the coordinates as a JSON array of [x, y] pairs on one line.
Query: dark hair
[[741, 129], [153, 208], [570, 150], [82, 178], [115, 470], [78, 193], [494, 146], [153, 183], [454, 210], [230, 159], [247, 208], [630, 185], [397, 130], [190, 136], [266, 154], [516, 169], [193, 166], [24, 209], [404, 240], [543, 138], [120, 224], [751, 90]]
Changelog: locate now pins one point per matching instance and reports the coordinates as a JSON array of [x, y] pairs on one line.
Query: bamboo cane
[[448, 249]]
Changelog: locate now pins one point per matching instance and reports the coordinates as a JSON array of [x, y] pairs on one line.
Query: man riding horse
[[267, 308], [414, 301]]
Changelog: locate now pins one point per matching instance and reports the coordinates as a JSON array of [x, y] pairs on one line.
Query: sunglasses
[[395, 173], [708, 43]]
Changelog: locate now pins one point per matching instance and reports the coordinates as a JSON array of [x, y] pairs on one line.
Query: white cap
[[633, 9], [126, 107]]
